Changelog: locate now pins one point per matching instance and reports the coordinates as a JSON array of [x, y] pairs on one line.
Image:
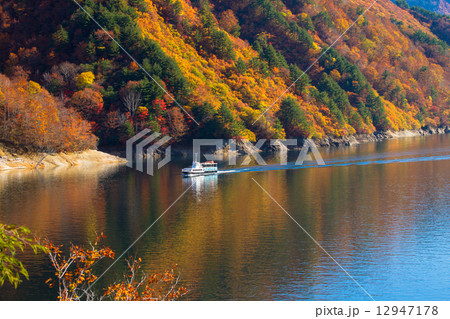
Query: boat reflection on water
[[202, 184]]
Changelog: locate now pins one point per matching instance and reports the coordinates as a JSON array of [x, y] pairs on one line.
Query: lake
[[381, 210]]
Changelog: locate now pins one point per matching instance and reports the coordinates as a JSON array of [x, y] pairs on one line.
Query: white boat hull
[[191, 173], [197, 169]]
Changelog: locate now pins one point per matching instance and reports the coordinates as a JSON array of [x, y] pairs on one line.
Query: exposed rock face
[[10, 160], [245, 148], [379, 136]]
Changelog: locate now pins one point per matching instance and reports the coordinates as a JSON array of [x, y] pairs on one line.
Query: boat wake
[[336, 163]]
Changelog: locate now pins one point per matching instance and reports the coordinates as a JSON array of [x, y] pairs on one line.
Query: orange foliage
[[156, 287], [409, 76], [75, 276], [30, 116], [88, 102]]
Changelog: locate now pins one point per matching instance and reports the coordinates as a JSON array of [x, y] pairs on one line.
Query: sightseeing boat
[[197, 168]]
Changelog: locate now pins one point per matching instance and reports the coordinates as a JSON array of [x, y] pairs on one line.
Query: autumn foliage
[[154, 287], [228, 62], [76, 274], [87, 102], [30, 116]]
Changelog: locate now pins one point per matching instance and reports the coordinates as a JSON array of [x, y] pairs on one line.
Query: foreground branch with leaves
[[75, 276], [12, 240]]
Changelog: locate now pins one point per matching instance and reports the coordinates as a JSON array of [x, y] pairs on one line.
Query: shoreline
[[379, 136], [11, 160], [327, 142]]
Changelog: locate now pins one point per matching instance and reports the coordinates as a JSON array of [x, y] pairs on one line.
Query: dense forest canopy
[[226, 63]]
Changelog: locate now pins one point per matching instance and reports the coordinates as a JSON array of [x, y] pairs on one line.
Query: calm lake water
[[380, 209]]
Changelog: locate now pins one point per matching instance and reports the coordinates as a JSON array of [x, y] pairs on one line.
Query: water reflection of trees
[[229, 238], [56, 202]]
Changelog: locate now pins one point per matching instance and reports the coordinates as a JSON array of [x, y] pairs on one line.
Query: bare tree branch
[[131, 101]]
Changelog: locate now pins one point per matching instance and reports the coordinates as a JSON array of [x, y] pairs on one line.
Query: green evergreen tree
[[376, 107], [222, 45], [61, 37], [338, 95], [240, 66], [303, 80], [293, 118]]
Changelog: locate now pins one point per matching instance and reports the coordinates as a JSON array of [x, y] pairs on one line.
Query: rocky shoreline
[[241, 148], [379, 136], [11, 160]]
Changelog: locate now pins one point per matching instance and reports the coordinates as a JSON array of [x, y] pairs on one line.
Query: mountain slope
[[438, 6], [231, 65]]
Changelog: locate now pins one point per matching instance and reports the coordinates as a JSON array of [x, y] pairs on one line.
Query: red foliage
[[88, 102], [159, 106]]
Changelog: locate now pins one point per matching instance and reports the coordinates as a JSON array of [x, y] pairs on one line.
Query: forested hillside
[[227, 63], [438, 6]]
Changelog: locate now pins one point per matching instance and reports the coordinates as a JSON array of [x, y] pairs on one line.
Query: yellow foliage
[[34, 87], [335, 75], [251, 93], [141, 109], [398, 119], [84, 79], [248, 135], [315, 46], [342, 24], [361, 20]]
